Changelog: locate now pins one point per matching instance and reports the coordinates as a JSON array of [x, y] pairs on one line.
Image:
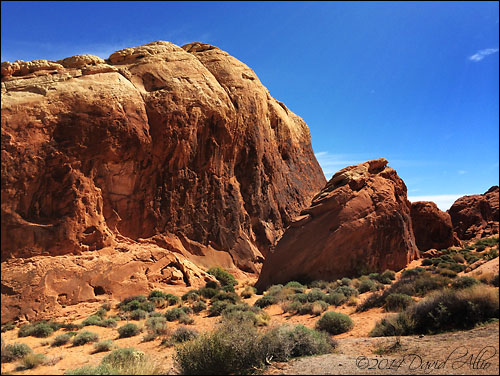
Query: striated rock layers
[[359, 222], [476, 216], [432, 227], [156, 145]]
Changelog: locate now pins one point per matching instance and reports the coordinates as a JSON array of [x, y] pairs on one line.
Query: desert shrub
[[296, 286], [347, 291], [32, 360], [426, 262], [305, 309], [334, 323], [212, 285], [458, 258], [40, 329], [106, 306], [265, 301], [300, 297], [318, 307], [157, 325], [336, 299], [352, 301], [150, 336], [240, 316], [102, 346], [186, 320], [447, 273], [388, 274], [172, 299], [15, 351], [131, 303], [320, 284], [491, 254], [398, 325], [191, 296], [315, 294], [366, 285], [217, 307], [61, 339], [231, 349], [71, 326], [156, 314], [101, 312], [412, 273], [128, 330], [228, 288], [187, 309], [199, 306], [121, 362], [156, 294], [305, 341], [91, 320], [397, 302], [224, 277], [158, 302], [487, 241], [464, 282], [248, 292], [262, 318], [85, 337], [108, 323], [291, 307], [183, 334], [8, 326], [173, 314], [208, 292], [226, 296], [345, 281]]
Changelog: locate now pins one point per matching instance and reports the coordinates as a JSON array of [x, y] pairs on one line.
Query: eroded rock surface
[[432, 227], [476, 216], [158, 140], [359, 222]]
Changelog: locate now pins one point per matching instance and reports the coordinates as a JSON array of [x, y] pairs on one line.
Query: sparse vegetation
[[128, 330], [14, 351], [85, 337], [334, 323], [61, 340], [32, 360], [102, 346], [397, 302]]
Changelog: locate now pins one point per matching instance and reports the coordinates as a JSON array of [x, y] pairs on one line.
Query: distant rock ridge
[[158, 145], [359, 222], [476, 216]]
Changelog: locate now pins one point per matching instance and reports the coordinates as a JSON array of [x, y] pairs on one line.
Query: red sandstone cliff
[[181, 149]]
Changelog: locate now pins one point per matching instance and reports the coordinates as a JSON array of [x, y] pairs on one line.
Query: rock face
[[476, 216], [359, 222], [432, 227], [158, 140]]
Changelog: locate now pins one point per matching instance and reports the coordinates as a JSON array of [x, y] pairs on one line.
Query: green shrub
[[300, 297], [366, 285], [40, 329], [108, 323], [388, 274], [315, 294], [228, 288], [399, 325], [208, 292], [85, 337], [137, 314], [15, 351], [199, 306], [336, 299], [248, 292], [464, 282], [212, 285], [448, 273], [265, 301], [320, 284], [426, 262], [129, 361], [412, 273], [318, 307], [173, 314], [128, 330], [8, 326], [186, 320], [187, 309], [297, 287], [172, 299], [305, 341], [106, 306], [334, 323], [183, 334], [397, 302], [191, 296], [227, 296], [347, 291], [274, 290], [92, 320], [101, 312], [102, 346], [305, 309], [156, 294], [158, 302], [157, 325], [71, 327], [217, 307], [291, 307], [345, 281], [225, 278], [32, 360], [61, 339]]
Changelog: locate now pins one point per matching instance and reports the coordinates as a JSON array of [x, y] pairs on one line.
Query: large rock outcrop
[[432, 227], [476, 216], [359, 222], [158, 140]]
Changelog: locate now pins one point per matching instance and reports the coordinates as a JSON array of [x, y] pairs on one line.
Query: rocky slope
[[359, 222], [178, 148], [476, 216], [432, 227]]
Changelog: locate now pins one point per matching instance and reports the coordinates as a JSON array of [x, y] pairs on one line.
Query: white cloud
[[481, 54], [331, 163], [443, 202]]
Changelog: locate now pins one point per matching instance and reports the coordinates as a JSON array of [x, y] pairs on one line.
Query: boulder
[[360, 222], [476, 216]]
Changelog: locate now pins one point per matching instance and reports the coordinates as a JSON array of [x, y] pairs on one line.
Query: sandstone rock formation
[[156, 145], [476, 216], [432, 227], [359, 222]]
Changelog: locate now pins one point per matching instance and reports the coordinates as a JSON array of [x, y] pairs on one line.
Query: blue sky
[[413, 82]]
